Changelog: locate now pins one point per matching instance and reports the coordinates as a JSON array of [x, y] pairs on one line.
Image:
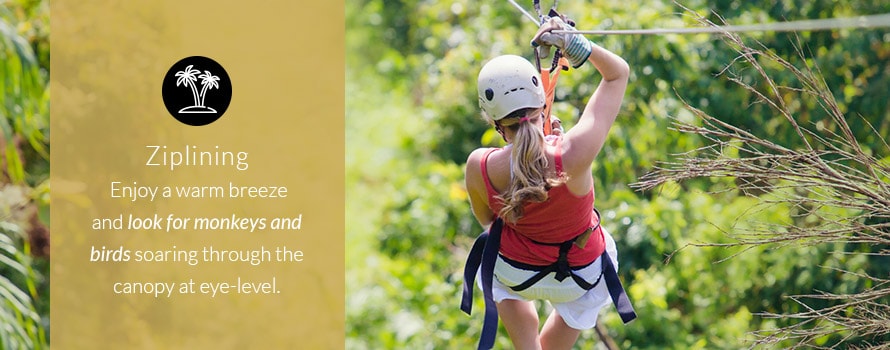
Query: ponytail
[[529, 175]]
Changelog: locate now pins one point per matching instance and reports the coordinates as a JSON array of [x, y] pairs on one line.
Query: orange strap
[[549, 81]]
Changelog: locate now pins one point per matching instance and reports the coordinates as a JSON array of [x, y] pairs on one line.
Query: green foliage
[[401, 213], [24, 174], [24, 105], [23, 327], [412, 119]]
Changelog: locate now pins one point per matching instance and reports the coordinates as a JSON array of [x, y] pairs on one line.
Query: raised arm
[[584, 141]]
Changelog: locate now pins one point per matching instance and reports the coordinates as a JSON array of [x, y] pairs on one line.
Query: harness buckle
[[581, 240]]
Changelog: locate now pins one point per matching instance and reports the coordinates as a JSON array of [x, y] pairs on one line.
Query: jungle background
[[711, 259], [721, 257], [24, 174]]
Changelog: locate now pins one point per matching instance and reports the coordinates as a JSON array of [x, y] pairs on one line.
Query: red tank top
[[561, 217]]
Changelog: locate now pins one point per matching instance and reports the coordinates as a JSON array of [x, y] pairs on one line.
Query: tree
[[187, 77], [838, 189], [208, 81]]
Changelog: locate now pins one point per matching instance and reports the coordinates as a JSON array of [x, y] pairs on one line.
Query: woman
[[543, 192]]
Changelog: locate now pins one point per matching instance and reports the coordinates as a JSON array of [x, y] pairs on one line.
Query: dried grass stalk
[[830, 170]]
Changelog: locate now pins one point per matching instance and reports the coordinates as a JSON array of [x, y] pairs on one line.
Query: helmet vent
[[489, 94], [535, 80]]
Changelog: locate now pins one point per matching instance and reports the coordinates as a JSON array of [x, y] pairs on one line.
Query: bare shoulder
[[474, 161], [477, 154], [475, 158]]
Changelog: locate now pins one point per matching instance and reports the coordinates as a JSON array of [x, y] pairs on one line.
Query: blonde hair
[[529, 175]]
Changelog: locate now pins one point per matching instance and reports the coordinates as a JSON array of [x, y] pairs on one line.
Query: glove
[[555, 126], [575, 47]]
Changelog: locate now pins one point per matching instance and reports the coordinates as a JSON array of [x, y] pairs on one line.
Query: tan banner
[[197, 175]]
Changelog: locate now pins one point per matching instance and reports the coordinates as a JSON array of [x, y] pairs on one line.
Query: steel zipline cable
[[870, 21]]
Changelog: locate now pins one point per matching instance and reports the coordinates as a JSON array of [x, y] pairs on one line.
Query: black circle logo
[[197, 90]]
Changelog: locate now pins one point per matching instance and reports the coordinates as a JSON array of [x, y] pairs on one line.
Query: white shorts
[[578, 307]]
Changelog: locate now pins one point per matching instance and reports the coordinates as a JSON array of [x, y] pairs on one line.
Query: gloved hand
[[555, 126], [575, 47]]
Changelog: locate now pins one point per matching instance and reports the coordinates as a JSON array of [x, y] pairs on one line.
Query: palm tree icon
[[208, 81], [187, 77]]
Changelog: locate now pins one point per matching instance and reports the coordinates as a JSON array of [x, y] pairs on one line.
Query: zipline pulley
[[549, 76]]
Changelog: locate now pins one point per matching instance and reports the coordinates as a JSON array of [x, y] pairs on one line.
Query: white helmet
[[509, 83]]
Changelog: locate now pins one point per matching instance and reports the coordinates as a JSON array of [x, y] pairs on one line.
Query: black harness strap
[[474, 260], [561, 267], [616, 290], [563, 270], [484, 253]]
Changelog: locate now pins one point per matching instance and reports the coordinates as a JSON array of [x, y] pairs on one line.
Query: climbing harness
[[560, 267], [484, 253]]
